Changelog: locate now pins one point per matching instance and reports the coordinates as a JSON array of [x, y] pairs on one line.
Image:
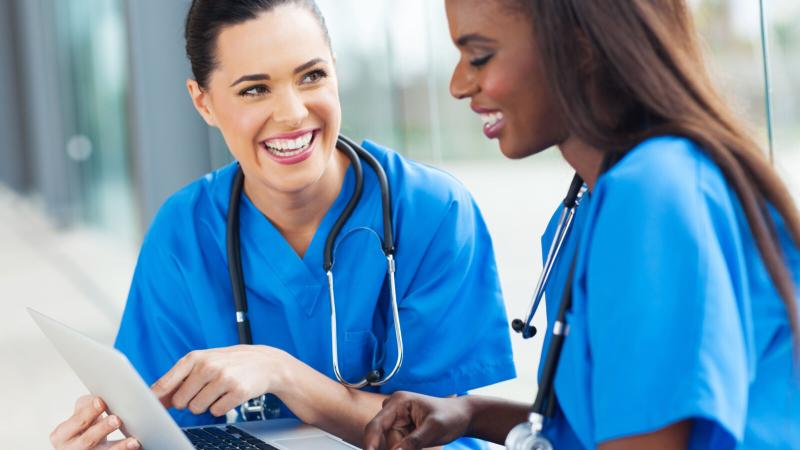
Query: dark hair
[[624, 71], [206, 18]]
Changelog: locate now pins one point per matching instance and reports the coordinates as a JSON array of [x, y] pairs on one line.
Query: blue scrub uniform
[[674, 316], [455, 332]]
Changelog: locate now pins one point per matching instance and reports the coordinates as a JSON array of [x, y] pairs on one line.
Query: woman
[[682, 262], [264, 75]]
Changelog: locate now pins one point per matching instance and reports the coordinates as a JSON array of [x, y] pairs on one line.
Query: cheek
[[240, 122], [325, 105], [499, 86]]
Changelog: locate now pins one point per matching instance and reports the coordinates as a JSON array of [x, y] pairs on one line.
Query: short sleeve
[[664, 309], [452, 315], [160, 324]]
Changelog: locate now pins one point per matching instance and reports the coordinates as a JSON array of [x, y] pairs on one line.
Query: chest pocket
[[358, 354]]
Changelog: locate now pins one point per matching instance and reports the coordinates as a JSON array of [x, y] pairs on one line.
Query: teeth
[[289, 147], [490, 119]]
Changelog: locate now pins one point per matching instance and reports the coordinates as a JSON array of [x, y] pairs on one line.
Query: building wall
[[103, 139]]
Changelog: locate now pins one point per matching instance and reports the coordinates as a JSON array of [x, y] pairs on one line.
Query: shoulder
[[418, 183], [668, 171], [202, 200]]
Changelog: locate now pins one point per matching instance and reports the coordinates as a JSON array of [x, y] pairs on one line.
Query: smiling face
[[274, 96], [501, 73]]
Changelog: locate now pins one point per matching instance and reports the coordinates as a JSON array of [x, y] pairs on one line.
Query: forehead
[[288, 34], [485, 17]]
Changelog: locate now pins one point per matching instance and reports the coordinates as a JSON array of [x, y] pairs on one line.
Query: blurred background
[[96, 130]]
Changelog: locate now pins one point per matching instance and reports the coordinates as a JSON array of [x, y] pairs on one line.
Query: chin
[[513, 150]]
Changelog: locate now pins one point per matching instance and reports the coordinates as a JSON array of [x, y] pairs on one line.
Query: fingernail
[[97, 404], [113, 421], [132, 444]]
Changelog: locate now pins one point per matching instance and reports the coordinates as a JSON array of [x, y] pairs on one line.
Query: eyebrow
[[265, 77], [473, 37]]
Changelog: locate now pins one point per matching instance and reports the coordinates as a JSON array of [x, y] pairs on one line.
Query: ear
[[201, 102]]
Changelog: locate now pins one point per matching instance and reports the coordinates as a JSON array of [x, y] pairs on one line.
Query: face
[[274, 96], [500, 72]]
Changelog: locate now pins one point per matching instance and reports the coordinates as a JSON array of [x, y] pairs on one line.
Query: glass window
[[782, 32], [93, 68]]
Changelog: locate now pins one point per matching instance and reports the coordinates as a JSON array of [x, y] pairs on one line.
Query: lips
[[493, 121], [291, 148]]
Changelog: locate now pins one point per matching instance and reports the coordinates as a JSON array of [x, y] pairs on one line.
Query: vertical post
[[44, 133], [767, 78], [13, 163], [169, 140], [433, 97]]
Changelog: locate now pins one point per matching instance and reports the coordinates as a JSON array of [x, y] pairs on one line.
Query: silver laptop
[[108, 374]]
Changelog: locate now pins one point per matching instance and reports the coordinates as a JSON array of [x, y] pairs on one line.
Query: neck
[[585, 159], [297, 214]]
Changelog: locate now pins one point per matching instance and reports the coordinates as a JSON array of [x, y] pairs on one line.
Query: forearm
[[317, 400], [491, 419]]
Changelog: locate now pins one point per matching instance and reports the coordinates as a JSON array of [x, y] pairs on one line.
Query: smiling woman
[[264, 75], [673, 320]]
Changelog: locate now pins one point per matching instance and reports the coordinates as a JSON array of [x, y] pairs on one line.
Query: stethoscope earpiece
[[519, 326]]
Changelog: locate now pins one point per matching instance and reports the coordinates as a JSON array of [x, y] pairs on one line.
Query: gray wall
[[42, 127], [14, 169], [170, 141]]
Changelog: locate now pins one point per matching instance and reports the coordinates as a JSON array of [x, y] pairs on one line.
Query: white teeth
[[490, 119], [289, 147]]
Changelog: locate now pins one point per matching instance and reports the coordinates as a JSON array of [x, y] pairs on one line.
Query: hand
[[413, 421], [218, 380], [89, 429]]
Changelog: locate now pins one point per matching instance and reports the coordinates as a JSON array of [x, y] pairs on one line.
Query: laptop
[[108, 374]]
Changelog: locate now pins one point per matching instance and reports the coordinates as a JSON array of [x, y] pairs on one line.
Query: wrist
[[277, 370], [471, 406]]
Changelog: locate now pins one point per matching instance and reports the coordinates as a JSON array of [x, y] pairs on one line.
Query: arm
[[219, 380], [412, 421], [325, 403], [672, 437]]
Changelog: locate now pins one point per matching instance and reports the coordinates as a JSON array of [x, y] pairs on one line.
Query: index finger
[[172, 380], [376, 429], [87, 409]]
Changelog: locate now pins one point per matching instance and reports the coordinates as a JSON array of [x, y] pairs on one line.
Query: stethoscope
[[528, 435], [268, 406]]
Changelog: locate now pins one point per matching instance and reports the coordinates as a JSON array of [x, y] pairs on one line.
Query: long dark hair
[[624, 71], [206, 18]]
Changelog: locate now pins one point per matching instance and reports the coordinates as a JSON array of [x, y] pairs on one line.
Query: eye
[[254, 91], [314, 76], [481, 61]]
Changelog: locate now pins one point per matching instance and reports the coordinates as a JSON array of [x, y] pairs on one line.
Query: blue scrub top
[[454, 326], [674, 316]]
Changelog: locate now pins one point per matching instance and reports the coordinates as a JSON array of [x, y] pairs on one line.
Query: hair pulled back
[[206, 19]]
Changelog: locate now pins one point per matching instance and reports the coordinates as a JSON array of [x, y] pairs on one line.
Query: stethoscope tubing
[[355, 153], [569, 204]]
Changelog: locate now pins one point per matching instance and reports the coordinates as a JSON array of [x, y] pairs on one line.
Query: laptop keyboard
[[229, 438]]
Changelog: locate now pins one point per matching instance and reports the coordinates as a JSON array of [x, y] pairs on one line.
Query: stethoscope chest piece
[[528, 441], [527, 436]]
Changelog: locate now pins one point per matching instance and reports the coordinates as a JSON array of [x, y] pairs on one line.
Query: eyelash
[[478, 62], [318, 74], [263, 89], [260, 89]]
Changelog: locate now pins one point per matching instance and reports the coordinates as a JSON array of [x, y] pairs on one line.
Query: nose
[[290, 108], [462, 82]]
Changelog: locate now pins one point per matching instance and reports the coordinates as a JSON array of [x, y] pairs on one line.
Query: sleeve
[[455, 331], [160, 323], [664, 314]]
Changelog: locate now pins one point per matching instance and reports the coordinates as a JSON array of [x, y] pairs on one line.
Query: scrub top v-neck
[[451, 310]]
